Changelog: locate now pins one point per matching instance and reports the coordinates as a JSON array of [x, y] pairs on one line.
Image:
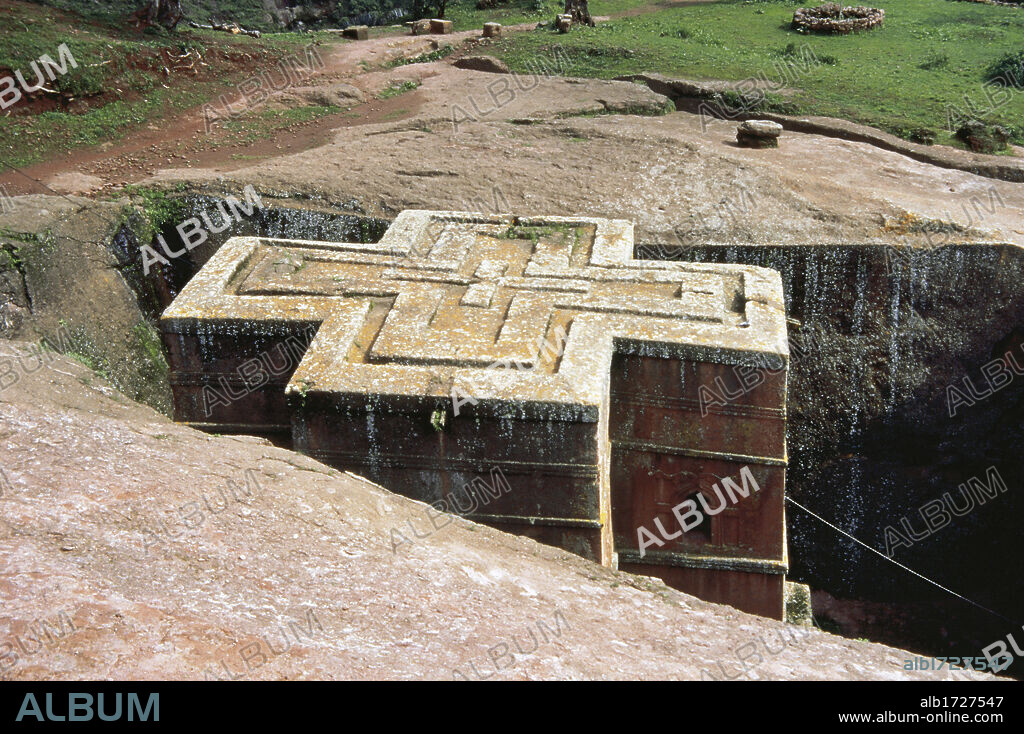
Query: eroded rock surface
[[337, 95], [482, 63], [150, 550], [540, 144], [69, 276]]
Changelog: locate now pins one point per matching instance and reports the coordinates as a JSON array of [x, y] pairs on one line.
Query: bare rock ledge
[[163, 552]]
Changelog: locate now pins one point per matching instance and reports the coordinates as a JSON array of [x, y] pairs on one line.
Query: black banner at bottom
[[33, 705]]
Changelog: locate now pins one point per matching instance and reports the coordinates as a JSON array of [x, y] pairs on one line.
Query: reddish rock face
[[528, 373], [135, 548]]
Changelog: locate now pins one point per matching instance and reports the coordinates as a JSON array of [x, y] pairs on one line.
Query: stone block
[[492, 30], [358, 32], [758, 134], [443, 27], [419, 27]]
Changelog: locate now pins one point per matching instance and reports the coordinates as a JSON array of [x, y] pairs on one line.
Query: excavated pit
[[882, 333], [284, 220]]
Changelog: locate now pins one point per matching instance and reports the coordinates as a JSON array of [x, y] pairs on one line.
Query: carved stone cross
[[464, 344]]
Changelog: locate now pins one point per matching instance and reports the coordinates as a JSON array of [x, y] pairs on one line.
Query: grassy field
[[930, 56], [119, 84], [465, 16], [247, 13]]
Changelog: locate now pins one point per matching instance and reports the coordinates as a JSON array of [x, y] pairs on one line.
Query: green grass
[[119, 83], [928, 58], [159, 208], [393, 90], [465, 16], [909, 74], [247, 13], [435, 55]]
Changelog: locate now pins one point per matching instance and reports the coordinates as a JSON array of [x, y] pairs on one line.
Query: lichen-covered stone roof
[[451, 300]]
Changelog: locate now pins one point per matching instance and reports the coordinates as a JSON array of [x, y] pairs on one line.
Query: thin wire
[[840, 530]]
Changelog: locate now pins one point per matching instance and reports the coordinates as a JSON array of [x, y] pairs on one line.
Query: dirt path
[[185, 141], [682, 174]]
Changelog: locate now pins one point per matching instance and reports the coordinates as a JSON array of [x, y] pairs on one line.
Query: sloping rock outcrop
[[70, 275], [132, 548]]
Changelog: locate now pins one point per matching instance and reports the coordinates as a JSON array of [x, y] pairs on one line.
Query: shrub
[[1008, 70], [983, 138], [922, 135], [81, 82]]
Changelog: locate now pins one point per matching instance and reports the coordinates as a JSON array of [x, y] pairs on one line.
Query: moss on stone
[[158, 207], [798, 604]]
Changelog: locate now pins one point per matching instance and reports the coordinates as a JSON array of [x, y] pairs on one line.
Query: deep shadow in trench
[[877, 440], [870, 436]]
